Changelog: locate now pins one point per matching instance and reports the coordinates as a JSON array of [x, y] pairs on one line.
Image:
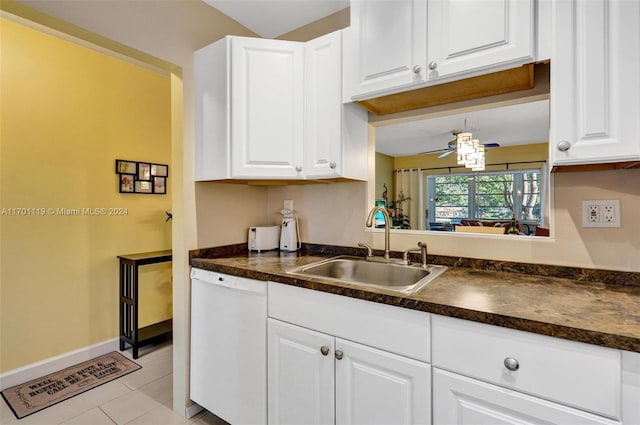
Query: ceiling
[[270, 19], [509, 125]]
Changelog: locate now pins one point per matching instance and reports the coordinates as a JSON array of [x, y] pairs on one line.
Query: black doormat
[[33, 396]]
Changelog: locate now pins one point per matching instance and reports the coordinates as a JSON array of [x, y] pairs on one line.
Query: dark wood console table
[[129, 332]]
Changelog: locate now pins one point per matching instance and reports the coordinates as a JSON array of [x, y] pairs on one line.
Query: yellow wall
[[384, 175], [67, 113]]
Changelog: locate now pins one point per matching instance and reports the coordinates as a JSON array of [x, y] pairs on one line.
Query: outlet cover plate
[[601, 213]]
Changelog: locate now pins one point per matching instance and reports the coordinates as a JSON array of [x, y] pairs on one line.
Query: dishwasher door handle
[[230, 282], [251, 287]]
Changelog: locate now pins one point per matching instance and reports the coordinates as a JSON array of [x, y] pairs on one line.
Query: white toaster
[[263, 238]]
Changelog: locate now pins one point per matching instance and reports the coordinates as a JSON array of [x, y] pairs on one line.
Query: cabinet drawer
[[573, 373], [394, 329], [461, 400]]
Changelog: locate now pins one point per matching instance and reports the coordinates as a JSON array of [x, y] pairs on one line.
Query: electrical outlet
[[593, 213], [288, 204], [610, 212], [601, 213]]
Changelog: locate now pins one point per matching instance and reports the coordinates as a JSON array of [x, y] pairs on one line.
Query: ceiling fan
[[453, 144]]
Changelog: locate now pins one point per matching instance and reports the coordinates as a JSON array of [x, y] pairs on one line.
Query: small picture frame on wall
[[125, 167], [159, 170], [142, 186], [144, 171], [126, 183], [159, 185]]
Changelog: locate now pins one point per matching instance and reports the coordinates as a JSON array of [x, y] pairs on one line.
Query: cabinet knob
[[433, 65], [563, 146], [417, 69], [324, 350], [332, 165], [339, 354], [298, 169], [511, 364]]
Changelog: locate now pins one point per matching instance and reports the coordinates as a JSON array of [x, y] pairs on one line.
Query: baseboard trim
[[53, 364]]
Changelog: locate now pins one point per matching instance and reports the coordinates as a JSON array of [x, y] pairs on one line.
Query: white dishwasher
[[229, 346]]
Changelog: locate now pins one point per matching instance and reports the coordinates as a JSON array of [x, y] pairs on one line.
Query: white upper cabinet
[[335, 134], [473, 37], [323, 105], [406, 44], [595, 82], [248, 109], [273, 109], [389, 44], [266, 107]]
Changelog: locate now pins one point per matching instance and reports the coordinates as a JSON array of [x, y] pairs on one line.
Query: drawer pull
[[511, 364], [324, 350], [339, 354]]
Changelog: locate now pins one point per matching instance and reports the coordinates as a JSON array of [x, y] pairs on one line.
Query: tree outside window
[[485, 196]]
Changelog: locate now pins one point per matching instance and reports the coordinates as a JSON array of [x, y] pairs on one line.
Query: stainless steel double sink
[[357, 270]]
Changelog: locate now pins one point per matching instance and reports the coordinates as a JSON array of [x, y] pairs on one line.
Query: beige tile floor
[[143, 397]]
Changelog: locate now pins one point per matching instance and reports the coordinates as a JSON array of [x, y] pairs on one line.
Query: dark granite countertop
[[535, 298]]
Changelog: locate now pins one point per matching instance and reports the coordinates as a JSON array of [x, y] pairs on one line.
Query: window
[[486, 196]]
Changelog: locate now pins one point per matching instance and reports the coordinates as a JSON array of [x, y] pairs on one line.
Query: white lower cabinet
[[486, 374], [465, 401], [314, 376], [377, 387], [301, 375], [339, 360]]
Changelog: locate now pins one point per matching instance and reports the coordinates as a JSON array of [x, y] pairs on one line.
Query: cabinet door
[[476, 37], [301, 375], [465, 401], [376, 387], [323, 106], [389, 41], [266, 107], [595, 83]]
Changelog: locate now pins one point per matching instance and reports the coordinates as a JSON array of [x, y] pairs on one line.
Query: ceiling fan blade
[[447, 153], [435, 151]]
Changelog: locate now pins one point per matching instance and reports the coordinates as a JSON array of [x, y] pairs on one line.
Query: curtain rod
[[506, 164]]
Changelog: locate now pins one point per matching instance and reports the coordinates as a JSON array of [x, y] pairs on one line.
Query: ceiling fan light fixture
[[470, 152], [479, 160], [464, 146]]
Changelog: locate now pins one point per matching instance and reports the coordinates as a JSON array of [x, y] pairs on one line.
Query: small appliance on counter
[[263, 238], [289, 233]]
